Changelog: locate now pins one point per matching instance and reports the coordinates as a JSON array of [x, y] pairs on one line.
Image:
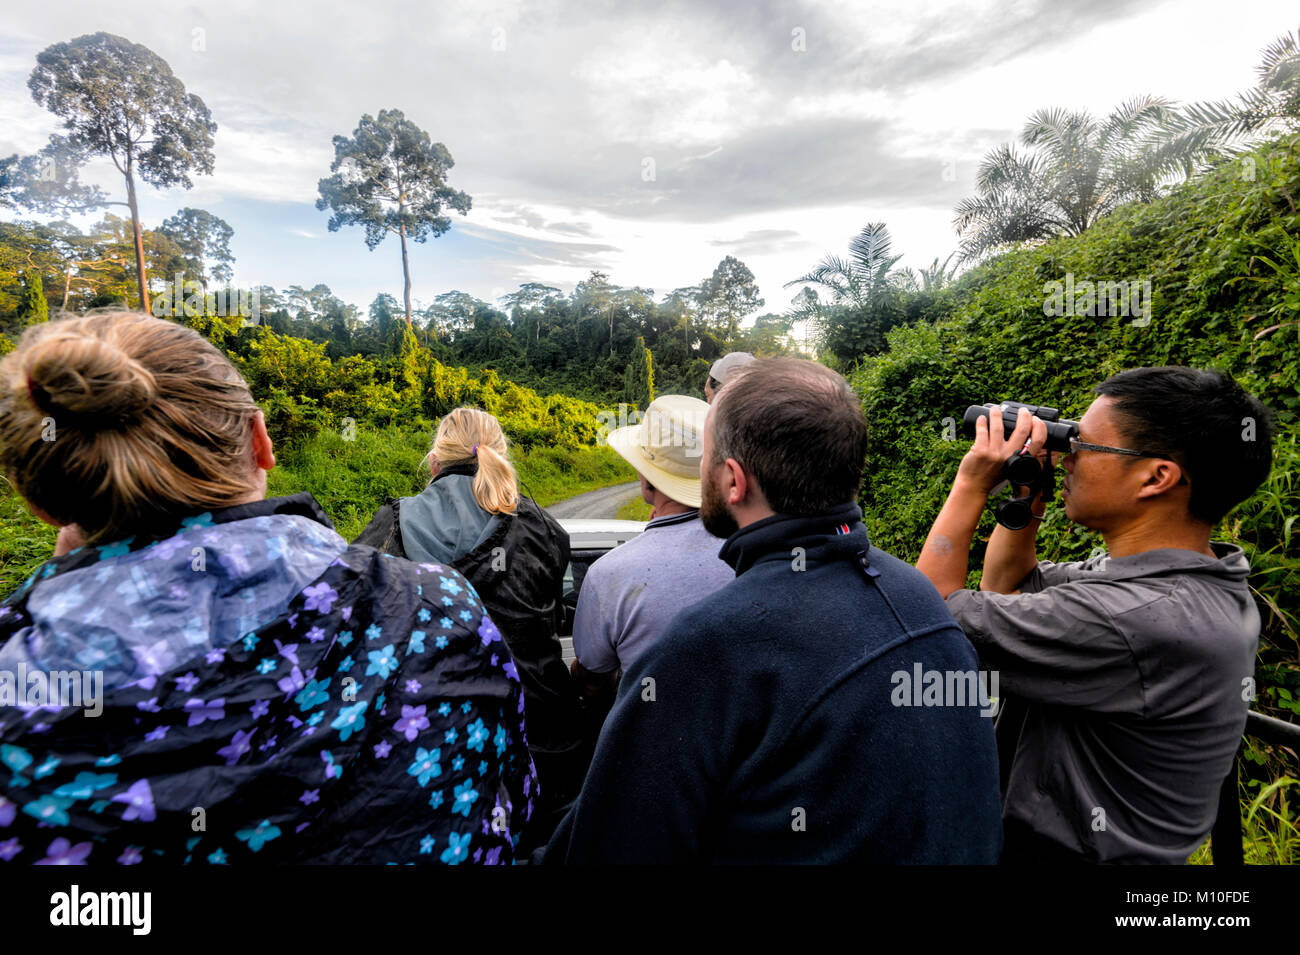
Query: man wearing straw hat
[[630, 594]]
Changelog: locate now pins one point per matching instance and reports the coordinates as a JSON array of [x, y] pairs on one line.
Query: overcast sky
[[646, 140]]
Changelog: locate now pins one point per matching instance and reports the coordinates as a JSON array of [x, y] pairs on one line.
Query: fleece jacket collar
[[834, 534]]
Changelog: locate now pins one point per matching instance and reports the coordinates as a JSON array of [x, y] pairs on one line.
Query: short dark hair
[[798, 428], [1219, 434]]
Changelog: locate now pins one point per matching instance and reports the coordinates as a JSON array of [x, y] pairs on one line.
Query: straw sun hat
[[667, 445]]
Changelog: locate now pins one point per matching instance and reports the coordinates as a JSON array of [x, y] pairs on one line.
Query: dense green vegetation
[[601, 342], [350, 478], [356, 429]]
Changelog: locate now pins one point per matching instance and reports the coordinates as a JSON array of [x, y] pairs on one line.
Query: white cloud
[[548, 110]]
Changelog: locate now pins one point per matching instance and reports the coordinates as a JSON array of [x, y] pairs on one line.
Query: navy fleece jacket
[[760, 729]]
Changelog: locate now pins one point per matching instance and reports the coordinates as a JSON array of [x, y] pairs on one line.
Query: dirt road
[[594, 504]]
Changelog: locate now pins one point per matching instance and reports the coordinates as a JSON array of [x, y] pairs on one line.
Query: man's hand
[[945, 556], [981, 468]]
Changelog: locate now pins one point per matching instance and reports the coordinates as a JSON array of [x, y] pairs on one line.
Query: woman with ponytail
[[319, 702], [473, 517]]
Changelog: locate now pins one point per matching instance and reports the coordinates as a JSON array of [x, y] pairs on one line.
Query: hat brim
[[625, 441]]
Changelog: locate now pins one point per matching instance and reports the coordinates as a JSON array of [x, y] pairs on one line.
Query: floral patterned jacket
[[269, 694]]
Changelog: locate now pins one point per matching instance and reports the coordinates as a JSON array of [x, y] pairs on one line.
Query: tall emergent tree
[[389, 177], [120, 99], [204, 240], [728, 295]]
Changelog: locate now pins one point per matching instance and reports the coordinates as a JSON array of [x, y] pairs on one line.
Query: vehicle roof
[[588, 532]]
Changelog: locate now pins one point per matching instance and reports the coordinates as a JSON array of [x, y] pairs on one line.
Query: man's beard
[[715, 517]]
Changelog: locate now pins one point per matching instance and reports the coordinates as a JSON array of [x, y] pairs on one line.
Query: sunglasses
[[1076, 446]]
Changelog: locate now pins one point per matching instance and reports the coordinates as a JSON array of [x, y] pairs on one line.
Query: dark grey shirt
[[1134, 675]]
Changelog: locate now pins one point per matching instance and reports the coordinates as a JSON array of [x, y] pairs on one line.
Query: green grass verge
[[351, 478], [1270, 827], [25, 542], [635, 509]]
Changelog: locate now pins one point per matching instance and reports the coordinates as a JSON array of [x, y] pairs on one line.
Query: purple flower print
[[166, 549], [235, 560], [487, 631], [292, 683], [320, 597], [62, 852], [201, 710], [239, 745], [139, 800], [413, 720], [332, 769]]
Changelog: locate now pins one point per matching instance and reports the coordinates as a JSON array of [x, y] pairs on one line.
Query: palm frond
[[870, 246], [1280, 69]]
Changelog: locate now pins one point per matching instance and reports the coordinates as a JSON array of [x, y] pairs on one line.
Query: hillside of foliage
[[601, 342], [355, 430], [1222, 252]]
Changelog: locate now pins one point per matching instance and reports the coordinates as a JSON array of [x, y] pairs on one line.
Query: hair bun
[[87, 379]]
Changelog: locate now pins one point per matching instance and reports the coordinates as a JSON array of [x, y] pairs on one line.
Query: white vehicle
[[589, 539]]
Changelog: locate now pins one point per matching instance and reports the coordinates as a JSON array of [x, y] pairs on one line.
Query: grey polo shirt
[[1132, 677], [629, 595]]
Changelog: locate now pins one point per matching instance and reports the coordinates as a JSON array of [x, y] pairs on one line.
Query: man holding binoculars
[[1127, 676]]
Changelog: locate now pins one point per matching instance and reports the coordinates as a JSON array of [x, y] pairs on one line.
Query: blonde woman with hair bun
[[472, 517], [209, 630]]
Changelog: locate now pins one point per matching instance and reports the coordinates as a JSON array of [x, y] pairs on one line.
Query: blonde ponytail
[[466, 435]]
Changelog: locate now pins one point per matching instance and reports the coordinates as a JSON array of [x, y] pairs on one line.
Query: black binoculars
[[1021, 469]]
